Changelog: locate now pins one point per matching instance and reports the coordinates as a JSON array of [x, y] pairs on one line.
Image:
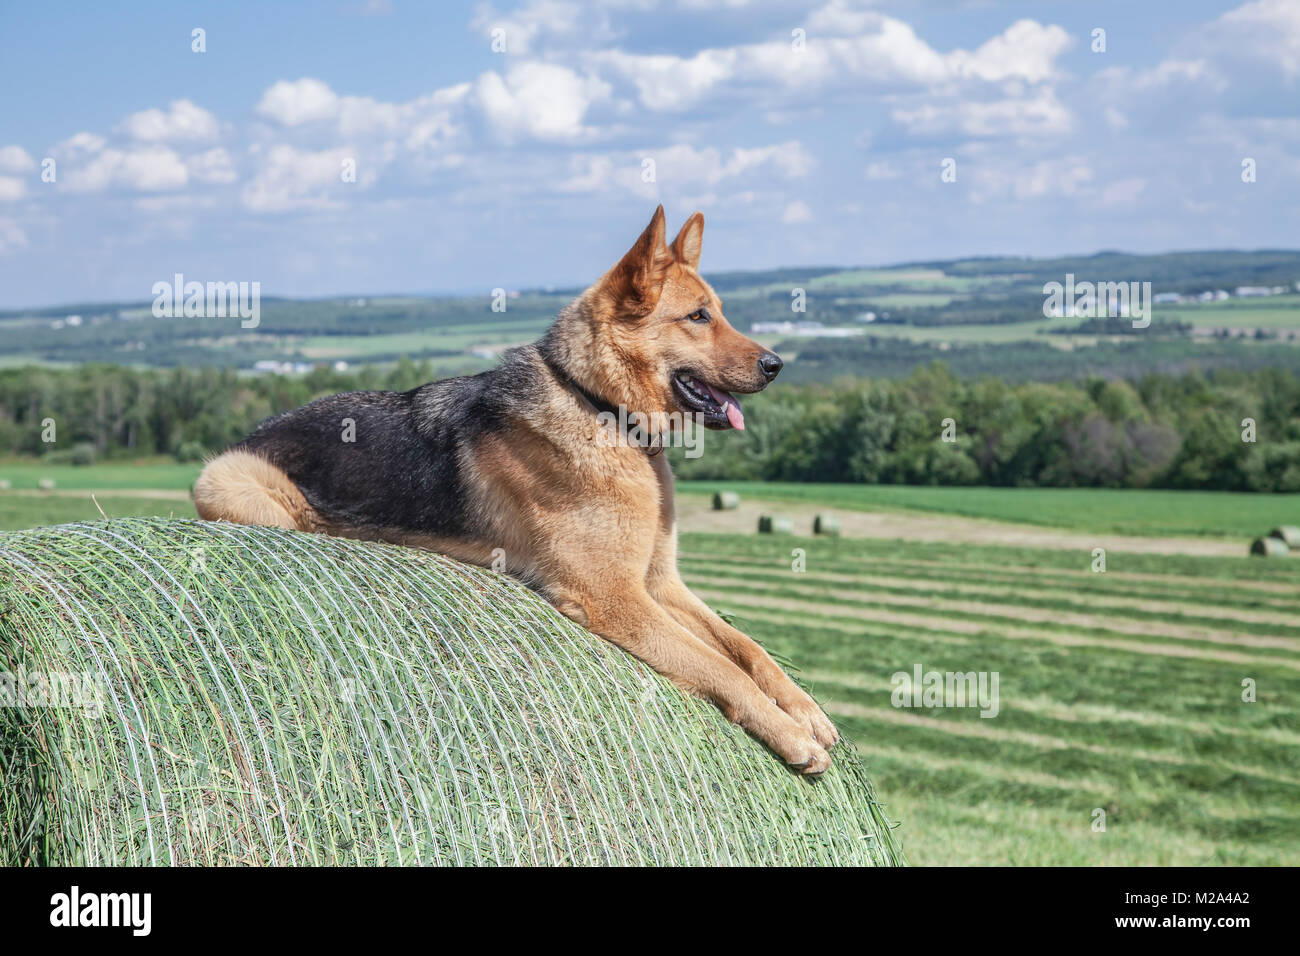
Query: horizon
[[706, 273]]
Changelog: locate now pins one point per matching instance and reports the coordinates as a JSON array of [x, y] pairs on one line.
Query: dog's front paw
[[812, 760], [811, 717]]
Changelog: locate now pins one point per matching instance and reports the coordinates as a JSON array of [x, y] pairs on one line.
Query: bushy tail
[[245, 488]]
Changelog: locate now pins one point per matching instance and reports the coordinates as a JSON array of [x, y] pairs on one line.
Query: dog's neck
[[556, 354], [562, 375], [569, 348]]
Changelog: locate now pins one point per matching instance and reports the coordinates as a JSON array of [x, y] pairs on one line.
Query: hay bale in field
[[725, 501], [1269, 547], [826, 523], [775, 524], [5, 484], [45, 484], [237, 695], [1287, 533]]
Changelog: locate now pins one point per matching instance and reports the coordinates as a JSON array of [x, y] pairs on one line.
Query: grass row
[[1099, 510], [1184, 770]]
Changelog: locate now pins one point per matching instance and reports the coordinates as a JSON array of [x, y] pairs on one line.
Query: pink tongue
[[734, 415]]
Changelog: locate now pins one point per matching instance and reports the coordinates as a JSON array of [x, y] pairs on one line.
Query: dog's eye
[[700, 315]]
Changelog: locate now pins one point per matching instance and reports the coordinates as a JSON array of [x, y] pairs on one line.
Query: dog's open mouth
[[720, 409]]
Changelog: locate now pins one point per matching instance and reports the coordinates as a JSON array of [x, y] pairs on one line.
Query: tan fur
[[244, 488], [590, 526]]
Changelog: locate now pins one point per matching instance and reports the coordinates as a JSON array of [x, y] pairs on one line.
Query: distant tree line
[[1162, 431], [931, 427], [111, 411]]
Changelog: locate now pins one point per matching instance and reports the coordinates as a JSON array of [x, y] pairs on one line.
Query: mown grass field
[[1119, 690], [30, 511], [1118, 510], [164, 475]]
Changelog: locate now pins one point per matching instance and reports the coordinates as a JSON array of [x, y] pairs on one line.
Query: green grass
[[910, 300], [1275, 312], [359, 347], [32, 511], [969, 334], [122, 490], [166, 475], [1094, 712], [1122, 511], [922, 279]]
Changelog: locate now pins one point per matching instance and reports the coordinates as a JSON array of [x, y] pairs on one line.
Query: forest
[[1219, 429]]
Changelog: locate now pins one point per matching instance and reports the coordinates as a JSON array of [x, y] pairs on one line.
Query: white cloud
[[426, 120], [15, 159], [842, 18], [1055, 177], [556, 22], [790, 159], [148, 169], [425, 124], [883, 52], [1123, 82], [597, 174], [182, 121], [700, 4], [882, 170], [1026, 50], [174, 204], [542, 100], [796, 212], [293, 103], [80, 146], [1269, 29], [213, 166], [11, 188], [682, 166], [1040, 114], [667, 82], [288, 179]]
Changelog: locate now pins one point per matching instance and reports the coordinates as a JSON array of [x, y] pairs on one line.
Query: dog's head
[[661, 340]]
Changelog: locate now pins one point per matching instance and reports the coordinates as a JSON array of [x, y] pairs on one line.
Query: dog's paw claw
[[817, 762]]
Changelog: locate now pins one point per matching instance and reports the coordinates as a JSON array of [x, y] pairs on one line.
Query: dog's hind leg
[[245, 488]]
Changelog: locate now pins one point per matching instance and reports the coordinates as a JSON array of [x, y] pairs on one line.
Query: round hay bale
[[235, 695], [1269, 547], [45, 484], [725, 501], [826, 523], [775, 524], [1287, 533]]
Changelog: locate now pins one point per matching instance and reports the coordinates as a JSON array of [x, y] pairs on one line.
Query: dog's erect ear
[[686, 247], [638, 279]]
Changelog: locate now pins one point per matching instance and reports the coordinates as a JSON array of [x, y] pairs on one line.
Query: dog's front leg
[[698, 618], [629, 617]]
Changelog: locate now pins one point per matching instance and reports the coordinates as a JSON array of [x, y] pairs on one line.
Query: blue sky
[[478, 168]]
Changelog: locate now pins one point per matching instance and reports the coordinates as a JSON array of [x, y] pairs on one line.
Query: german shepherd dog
[[519, 458]]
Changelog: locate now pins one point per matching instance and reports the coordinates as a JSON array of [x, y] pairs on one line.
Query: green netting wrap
[[192, 693]]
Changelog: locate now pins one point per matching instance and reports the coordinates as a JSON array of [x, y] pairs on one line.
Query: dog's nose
[[769, 364]]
